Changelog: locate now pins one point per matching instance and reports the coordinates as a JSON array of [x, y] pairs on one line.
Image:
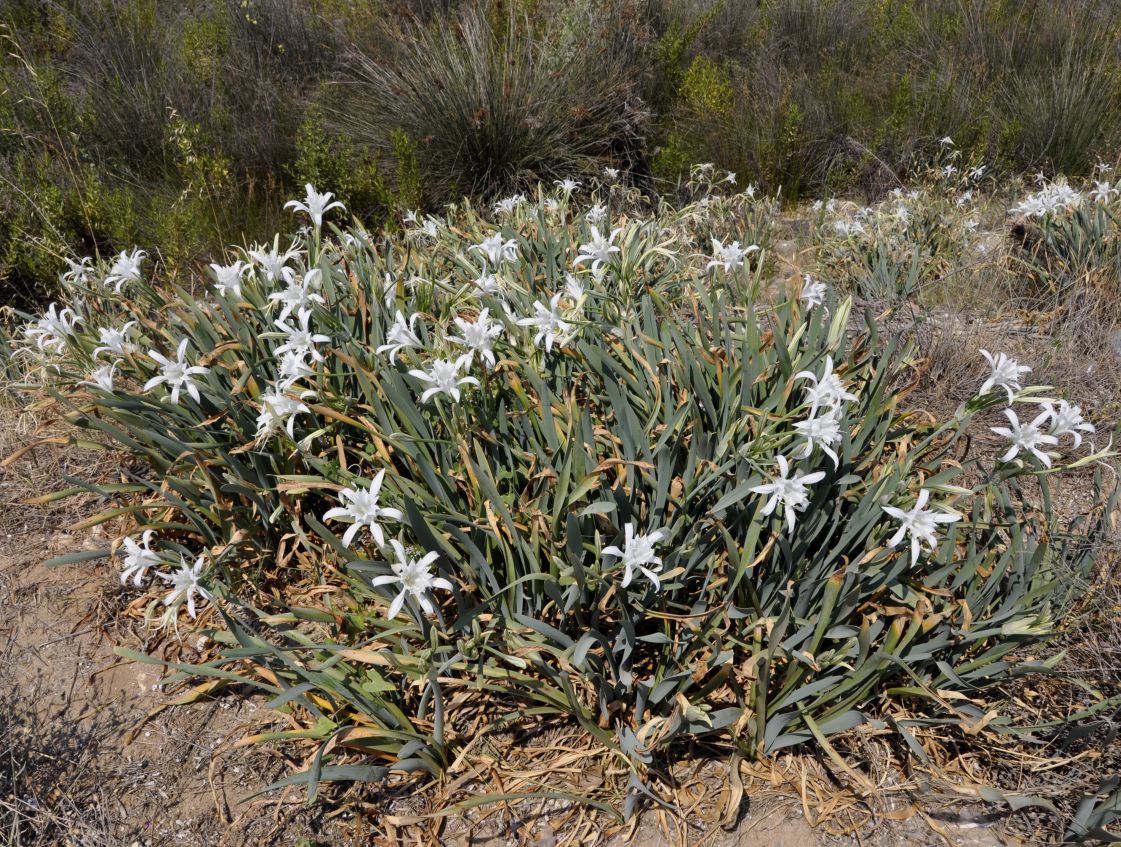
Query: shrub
[[587, 496], [491, 110]]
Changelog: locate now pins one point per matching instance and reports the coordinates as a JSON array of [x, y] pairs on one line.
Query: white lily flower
[[315, 205], [821, 430], [1067, 420], [362, 510], [279, 411], [138, 558], [443, 376], [497, 250], [946, 141], [730, 178], [114, 340], [638, 553], [550, 325], [920, 523], [293, 367], [612, 174], [827, 389], [272, 261], [487, 284], [415, 578], [813, 293], [573, 288], [596, 213], [176, 373], [102, 378], [599, 250], [788, 490], [508, 205], [77, 272], [1102, 191], [567, 185], [51, 331], [228, 278], [1006, 374], [125, 268], [1027, 436], [478, 336], [401, 334], [730, 256], [300, 338], [185, 583], [297, 295]]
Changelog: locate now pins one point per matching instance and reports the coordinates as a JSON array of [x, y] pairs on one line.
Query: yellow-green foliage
[[707, 87]]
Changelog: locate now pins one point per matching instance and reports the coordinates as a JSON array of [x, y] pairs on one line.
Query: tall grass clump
[[563, 465], [493, 105]]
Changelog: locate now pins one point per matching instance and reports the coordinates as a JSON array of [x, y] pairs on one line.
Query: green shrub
[[491, 110], [650, 395]]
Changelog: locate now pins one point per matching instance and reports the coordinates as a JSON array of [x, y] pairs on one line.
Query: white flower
[[478, 336], [297, 296], [415, 578], [596, 214], [138, 558], [176, 373], [114, 340], [788, 490], [279, 411], [949, 171], [497, 250], [487, 284], [550, 325], [77, 272], [827, 389], [315, 205], [1027, 436], [946, 141], [1102, 191], [292, 368], [730, 178], [185, 583], [51, 331], [299, 338], [921, 523], [1051, 198], [550, 204], [102, 378], [976, 172], [507, 205], [400, 335], [599, 250], [813, 293], [1067, 420], [444, 377], [573, 288], [362, 509], [273, 261], [638, 552], [1006, 374], [612, 174], [823, 430], [228, 278], [848, 228], [567, 185], [729, 256], [125, 268]]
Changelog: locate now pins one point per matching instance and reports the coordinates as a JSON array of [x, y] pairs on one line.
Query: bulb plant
[[565, 457]]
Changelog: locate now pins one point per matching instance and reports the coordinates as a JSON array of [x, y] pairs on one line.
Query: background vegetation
[[179, 126]]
